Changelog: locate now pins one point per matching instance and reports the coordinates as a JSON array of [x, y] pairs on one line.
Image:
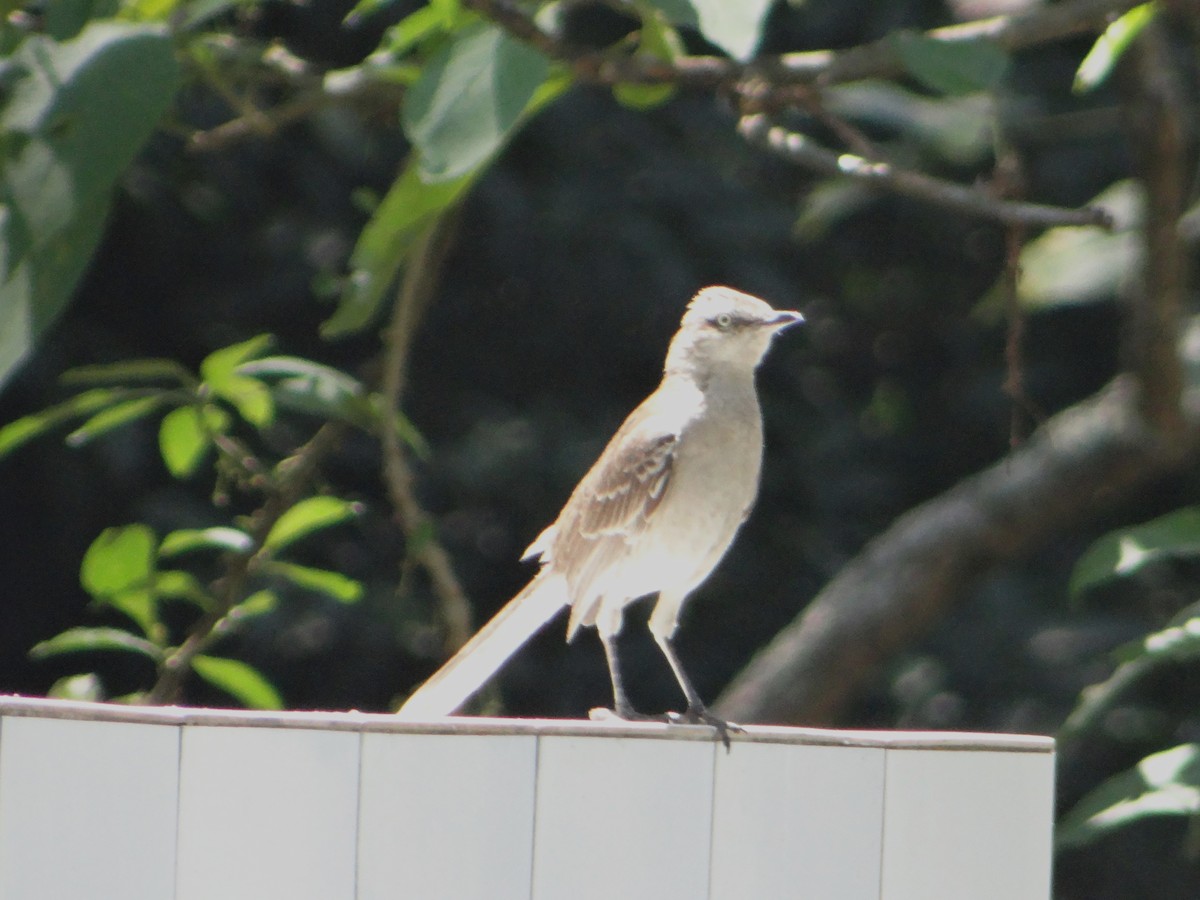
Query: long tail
[[470, 668]]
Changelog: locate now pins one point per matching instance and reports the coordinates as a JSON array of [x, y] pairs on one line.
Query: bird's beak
[[785, 318]]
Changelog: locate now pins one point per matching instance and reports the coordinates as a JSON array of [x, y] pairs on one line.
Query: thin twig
[[1014, 342], [416, 289], [804, 151], [294, 475], [1008, 182], [265, 122]]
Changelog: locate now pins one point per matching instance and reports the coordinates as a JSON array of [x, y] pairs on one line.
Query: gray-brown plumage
[[654, 514]]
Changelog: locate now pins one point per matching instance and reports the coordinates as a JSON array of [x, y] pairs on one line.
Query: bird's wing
[[622, 498], [613, 506]]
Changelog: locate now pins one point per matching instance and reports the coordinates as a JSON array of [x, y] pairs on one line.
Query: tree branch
[[416, 289], [804, 151], [1093, 454], [1156, 110], [1085, 458], [879, 59]]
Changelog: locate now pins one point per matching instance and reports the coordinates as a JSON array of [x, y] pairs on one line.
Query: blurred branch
[[1156, 112], [804, 151], [1093, 454], [879, 59], [310, 91], [416, 289], [1008, 182], [293, 476], [1087, 457], [260, 123], [1021, 403]]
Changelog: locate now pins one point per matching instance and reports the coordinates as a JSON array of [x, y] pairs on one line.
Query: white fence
[[127, 803]]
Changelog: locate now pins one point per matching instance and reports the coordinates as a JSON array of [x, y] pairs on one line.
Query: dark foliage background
[[573, 259]]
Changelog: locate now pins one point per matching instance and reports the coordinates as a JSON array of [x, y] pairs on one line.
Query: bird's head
[[726, 327]]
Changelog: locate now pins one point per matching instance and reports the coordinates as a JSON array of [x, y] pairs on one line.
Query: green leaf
[[470, 99], [182, 15], [409, 208], [643, 96], [1179, 642], [411, 30], [1075, 264], [175, 584], [1163, 784], [364, 8], [77, 115], [149, 10], [257, 604], [309, 515], [251, 398], [188, 540], [184, 437], [65, 18], [26, 428], [1127, 550], [118, 570], [734, 27], [222, 365], [303, 386], [333, 381], [1111, 46], [957, 130], [140, 605], [88, 640], [658, 40], [950, 67], [332, 584], [248, 396], [241, 681], [114, 417], [182, 441], [129, 371], [118, 560]]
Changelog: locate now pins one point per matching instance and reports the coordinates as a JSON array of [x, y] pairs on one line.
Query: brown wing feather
[[629, 491], [608, 511]]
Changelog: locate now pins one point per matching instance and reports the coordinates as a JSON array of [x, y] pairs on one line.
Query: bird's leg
[[621, 705], [697, 713]]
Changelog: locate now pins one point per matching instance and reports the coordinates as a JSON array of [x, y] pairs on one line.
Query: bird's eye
[[724, 320]]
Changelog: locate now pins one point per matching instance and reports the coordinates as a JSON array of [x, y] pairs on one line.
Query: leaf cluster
[[1165, 783], [206, 416]]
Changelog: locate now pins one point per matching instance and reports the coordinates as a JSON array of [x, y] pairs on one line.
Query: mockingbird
[[655, 514]]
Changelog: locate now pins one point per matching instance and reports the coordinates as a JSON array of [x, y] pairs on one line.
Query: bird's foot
[[699, 715], [694, 715], [627, 714]]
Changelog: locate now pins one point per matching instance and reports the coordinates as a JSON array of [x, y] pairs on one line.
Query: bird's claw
[[691, 716], [698, 715]]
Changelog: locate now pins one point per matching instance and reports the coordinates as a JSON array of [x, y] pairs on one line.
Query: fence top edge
[[371, 723]]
